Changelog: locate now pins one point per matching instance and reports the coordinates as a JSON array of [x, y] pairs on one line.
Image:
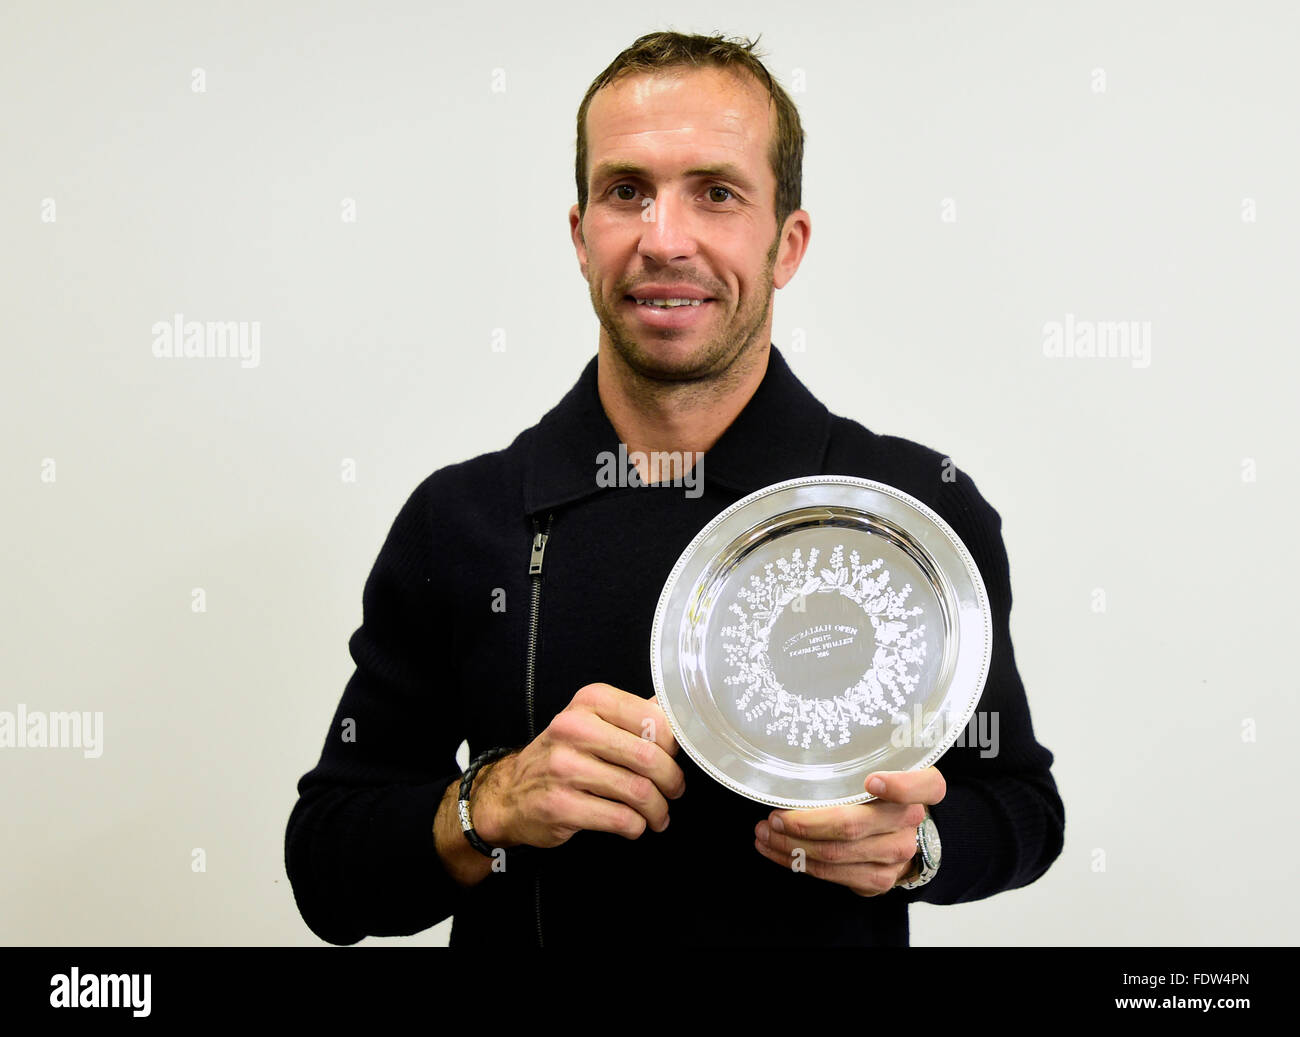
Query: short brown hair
[[663, 51]]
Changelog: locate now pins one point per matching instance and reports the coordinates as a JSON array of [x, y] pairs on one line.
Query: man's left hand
[[867, 846]]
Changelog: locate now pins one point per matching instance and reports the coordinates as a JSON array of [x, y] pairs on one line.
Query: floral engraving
[[881, 691]]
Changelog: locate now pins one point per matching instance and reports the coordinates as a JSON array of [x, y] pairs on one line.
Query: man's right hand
[[605, 763]]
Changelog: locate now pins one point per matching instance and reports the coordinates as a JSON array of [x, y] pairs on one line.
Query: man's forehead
[[708, 106]]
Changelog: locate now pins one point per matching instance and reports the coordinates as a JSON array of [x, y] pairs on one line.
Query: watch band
[[466, 785]]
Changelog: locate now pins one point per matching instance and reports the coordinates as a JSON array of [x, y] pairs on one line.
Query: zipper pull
[[535, 560]]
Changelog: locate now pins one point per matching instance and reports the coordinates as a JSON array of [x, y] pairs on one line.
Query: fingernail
[[777, 824], [876, 786], [762, 832]]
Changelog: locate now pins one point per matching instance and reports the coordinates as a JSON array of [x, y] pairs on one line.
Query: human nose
[[668, 232]]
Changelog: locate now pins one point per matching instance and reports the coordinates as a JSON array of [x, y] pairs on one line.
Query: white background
[[1119, 205]]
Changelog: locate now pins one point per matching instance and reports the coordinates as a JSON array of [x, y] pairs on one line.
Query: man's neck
[[675, 417]]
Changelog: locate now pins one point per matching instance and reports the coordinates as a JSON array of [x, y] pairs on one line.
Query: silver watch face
[[930, 842], [818, 630]]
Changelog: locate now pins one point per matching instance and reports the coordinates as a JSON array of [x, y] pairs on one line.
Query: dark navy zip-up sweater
[[436, 664]]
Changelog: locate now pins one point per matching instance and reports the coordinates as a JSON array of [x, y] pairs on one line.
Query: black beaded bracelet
[[467, 783]]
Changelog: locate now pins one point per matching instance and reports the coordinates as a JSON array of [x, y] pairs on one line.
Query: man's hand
[[605, 763], [867, 846]]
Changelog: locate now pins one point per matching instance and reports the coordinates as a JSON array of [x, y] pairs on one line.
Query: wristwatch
[[927, 852]]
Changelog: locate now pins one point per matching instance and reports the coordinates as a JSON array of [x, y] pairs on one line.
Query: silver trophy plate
[[818, 630]]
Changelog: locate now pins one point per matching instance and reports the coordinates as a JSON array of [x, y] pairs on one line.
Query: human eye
[[719, 187], [620, 187]]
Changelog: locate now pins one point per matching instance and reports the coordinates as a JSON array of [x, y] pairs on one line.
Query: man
[[512, 602]]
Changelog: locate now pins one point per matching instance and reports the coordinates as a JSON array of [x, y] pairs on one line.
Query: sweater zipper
[[540, 535]]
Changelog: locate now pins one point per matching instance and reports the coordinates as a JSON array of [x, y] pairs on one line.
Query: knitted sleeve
[[1002, 822], [359, 846]]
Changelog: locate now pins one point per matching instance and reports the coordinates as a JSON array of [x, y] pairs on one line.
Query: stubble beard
[[714, 357]]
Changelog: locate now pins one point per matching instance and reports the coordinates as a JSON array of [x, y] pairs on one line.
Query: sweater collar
[[781, 433]]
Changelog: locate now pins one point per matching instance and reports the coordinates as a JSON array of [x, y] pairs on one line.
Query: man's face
[[657, 219]]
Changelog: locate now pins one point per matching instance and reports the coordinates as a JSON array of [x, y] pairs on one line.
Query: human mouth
[[667, 303], [671, 313]]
